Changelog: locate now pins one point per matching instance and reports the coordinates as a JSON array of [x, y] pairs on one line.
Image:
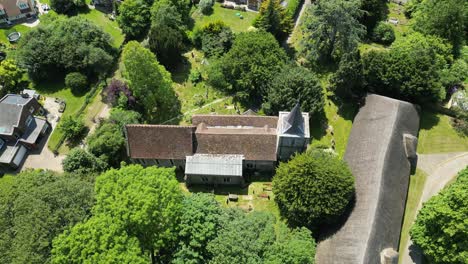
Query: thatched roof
[[377, 157]]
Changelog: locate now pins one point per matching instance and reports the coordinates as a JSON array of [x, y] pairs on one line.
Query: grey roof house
[[20, 129], [218, 149], [381, 152]]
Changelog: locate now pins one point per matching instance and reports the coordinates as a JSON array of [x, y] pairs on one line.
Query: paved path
[[297, 23], [441, 169]]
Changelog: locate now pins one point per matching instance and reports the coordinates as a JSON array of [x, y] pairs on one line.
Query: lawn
[[416, 187], [5, 45], [436, 135], [396, 11], [228, 16], [106, 24]]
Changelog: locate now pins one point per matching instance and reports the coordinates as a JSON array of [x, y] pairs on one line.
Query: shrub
[[383, 33], [313, 188], [205, 6], [76, 81], [72, 128], [82, 162], [215, 38], [195, 76]]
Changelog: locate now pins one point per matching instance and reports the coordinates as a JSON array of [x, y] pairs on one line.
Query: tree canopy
[[107, 143], [36, 206], [10, 76], [348, 82], [410, 70], [313, 188], [441, 227], [447, 19], [134, 18], [66, 6], [294, 84], [331, 29], [82, 162], [214, 38], [374, 11], [65, 45], [149, 82], [275, 19], [254, 59]]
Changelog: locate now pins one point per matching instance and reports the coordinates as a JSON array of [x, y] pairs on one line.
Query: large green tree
[[275, 19], [147, 201], [107, 143], [134, 18], [331, 29], [66, 6], [82, 162], [199, 224], [313, 188], [348, 82], [10, 76], [65, 45], [447, 19], [101, 239], [441, 227], [36, 206], [291, 85], [374, 11], [214, 38], [410, 70], [149, 81], [254, 59], [123, 117]]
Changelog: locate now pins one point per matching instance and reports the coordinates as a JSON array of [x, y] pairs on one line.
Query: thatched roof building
[[380, 149]]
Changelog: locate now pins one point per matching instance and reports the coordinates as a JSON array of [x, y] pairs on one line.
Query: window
[[204, 179], [250, 166], [31, 109], [2, 143], [22, 5], [29, 120], [227, 179]]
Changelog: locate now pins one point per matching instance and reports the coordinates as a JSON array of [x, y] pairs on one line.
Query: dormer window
[[31, 109], [2, 11], [29, 120], [23, 5]]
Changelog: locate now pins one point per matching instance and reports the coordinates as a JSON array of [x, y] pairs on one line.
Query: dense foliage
[[71, 127], [347, 82], [410, 70], [205, 6], [441, 227], [10, 76], [313, 188], [254, 59], [77, 82], [447, 19], [122, 117], [275, 19], [374, 11], [36, 206], [291, 85], [134, 18], [66, 6], [82, 162], [149, 82], [118, 94], [214, 38], [107, 143], [166, 35], [383, 33], [65, 45], [331, 29]]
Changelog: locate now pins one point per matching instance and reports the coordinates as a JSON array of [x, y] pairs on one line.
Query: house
[[20, 129], [381, 153], [220, 149], [12, 11]]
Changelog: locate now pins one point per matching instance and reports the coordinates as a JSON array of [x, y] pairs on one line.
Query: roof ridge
[[244, 116], [156, 125]]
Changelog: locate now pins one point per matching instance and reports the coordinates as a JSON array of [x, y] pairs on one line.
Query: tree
[[347, 82], [134, 18], [107, 143], [215, 38], [243, 238], [254, 59], [313, 188], [441, 229], [374, 11], [149, 82], [447, 19], [65, 45], [153, 204], [294, 84], [99, 240], [331, 29], [119, 95], [455, 75], [82, 162], [275, 19], [410, 70], [76, 81], [36, 206], [205, 6], [66, 6], [198, 225], [166, 36], [383, 33], [72, 128], [10, 76], [122, 117]]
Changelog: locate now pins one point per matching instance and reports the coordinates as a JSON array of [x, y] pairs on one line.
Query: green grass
[[228, 16], [415, 190], [437, 135], [93, 109], [106, 24], [5, 45], [396, 11]]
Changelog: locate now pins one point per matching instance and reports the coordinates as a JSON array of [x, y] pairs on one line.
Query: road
[[441, 169]]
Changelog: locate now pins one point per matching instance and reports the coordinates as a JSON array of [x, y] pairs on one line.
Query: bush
[[313, 188], [383, 33], [82, 162], [195, 76], [205, 6], [72, 128], [76, 81], [215, 39]]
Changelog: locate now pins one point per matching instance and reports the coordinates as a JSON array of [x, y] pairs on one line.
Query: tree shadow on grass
[[428, 119], [219, 190], [181, 71], [318, 125]]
